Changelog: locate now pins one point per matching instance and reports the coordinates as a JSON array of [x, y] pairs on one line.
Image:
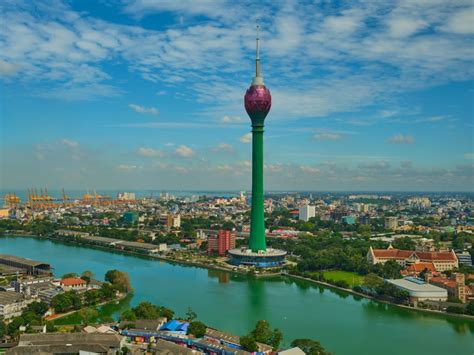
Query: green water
[[343, 323]]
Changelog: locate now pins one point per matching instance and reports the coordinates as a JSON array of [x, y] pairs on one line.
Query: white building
[[391, 223], [419, 290], [307, 212], [12, 304], [126, 196]]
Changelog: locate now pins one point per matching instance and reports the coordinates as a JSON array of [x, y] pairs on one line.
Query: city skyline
[[148, 95]]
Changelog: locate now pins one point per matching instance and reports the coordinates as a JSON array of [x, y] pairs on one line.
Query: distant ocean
[[76, 194], [155, 193]]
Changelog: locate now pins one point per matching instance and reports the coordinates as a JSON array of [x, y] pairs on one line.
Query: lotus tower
[[258, 102]]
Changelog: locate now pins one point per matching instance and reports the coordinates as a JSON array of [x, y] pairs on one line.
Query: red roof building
[[441, 261], [73, 282]]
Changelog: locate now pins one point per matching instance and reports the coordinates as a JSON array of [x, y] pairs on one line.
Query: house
[[441, 260], [73, 283]]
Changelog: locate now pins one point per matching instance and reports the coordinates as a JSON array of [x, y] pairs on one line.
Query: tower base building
[[246, 257]]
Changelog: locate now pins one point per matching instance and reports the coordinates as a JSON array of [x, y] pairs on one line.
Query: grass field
[[351, 278]]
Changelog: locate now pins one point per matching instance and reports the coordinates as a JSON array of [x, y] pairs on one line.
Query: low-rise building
[[455, 285], [442, 261], [12, 304], [419, 290], [73, 283]]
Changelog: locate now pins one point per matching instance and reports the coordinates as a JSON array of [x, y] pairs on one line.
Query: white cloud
[[327, 136], [403, 26], [223, 148], [232, 119], [127, 168], [309, 169], [149, 152], [184, 151], [142, 109], [70, 143], [246, 138], [461, 22], [469, 156], [401, 139], [7, 68]]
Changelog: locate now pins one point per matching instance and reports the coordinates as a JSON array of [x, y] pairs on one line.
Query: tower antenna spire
[[258, 80], [257, 58]]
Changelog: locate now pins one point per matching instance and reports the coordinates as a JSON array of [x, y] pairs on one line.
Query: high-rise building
[[257, 104], [307, 212], [126, 196], [221, 243], [391, 223]]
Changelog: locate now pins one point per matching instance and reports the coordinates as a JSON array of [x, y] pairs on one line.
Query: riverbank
[[352, 292], [179, 261], [231, 270]]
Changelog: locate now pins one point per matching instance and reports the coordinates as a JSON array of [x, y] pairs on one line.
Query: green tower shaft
[[257, 226]]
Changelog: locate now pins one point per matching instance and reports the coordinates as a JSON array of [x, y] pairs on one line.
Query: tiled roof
[[72, 281], [419, 267], [404, 254]]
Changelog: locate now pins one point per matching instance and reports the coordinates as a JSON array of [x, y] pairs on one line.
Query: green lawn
[[351, 278]]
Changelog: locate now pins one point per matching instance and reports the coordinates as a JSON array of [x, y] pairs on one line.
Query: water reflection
[[222, 276], [374, 309]]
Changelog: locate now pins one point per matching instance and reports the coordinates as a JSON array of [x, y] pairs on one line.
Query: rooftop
[[72, 281], [412, 284], [25, 261], [249, 252]]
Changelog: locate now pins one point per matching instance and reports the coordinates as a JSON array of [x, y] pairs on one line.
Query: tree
[[391, 270], [470, 308], [119, 279], [2, 329], [88, 314], [92, 297], [107, 291], [262, 332], [190, 315], [68, 275], [197, 328], [372, 281], [50, 328], [128, 315], [87, 276], [277, 337], [38, 308], [146, 310], [455, 309], [13, 328], [248, 343], [309, 346], [66, 301]]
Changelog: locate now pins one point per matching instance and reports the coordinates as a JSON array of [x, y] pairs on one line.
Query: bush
[[455, 309], [196, 328]]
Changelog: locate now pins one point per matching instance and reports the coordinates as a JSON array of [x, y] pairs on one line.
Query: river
[[344, 324]]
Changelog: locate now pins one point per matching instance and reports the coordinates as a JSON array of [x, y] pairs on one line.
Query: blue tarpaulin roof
[[175, 326]]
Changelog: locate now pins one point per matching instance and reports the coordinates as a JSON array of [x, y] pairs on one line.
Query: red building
[[220, 243]]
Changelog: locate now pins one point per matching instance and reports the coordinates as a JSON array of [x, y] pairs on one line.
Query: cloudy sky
[[367, 95]]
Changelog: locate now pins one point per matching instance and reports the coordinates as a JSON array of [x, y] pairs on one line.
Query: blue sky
[[367, 95]]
